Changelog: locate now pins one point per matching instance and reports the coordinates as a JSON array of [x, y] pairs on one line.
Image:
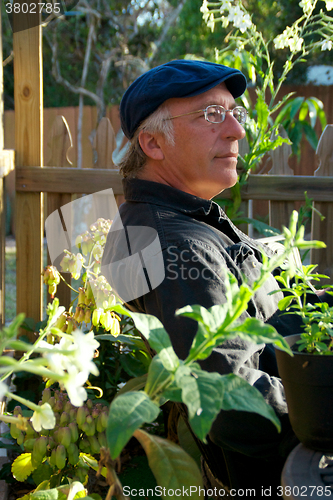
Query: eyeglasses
[[216, 114]]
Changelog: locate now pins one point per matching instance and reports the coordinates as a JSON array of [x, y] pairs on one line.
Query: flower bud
[[29, 444], [104, 419], [102, 439], [65, 436], [94, 445], [81, 416], [96, 316], [84, 445], [51, 402], [39, 451], [70, 326], [89, 426], [81, 475], [14, 431], [46, 395], [64, 419], [52, 458], [73, 454], [82, 297], [74, 432], [20, 438], [87, 316], [60, 456]]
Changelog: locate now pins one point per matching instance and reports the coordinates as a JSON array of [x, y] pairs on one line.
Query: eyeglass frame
[[223, 113]]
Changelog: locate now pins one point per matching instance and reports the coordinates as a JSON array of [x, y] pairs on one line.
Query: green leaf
[[200, 348], [240, 395], [157, 337], [211, 318], [285, 302], [296, 104], [42, 473], [172, 467], [190, 390], [157, 376], [22, 467], [259, 332], [262, 112], [130, 340], [210, 387], [311, 135], [127, 413], [134, 384]]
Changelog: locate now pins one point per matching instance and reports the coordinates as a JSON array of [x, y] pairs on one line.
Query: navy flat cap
[[179, 78]]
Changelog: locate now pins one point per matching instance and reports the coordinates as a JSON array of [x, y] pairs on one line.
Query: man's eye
[[211, 114]]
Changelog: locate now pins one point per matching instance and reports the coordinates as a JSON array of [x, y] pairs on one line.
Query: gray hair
[[135, 159]]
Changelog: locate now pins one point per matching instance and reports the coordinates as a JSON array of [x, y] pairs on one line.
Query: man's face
[[204, 157]]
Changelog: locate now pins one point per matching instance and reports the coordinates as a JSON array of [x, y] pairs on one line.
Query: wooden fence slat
[[67, 180], [259, 187], [6, 166], [60, 143], [104, 145], [280, 211], [323, 230], [29, 151]]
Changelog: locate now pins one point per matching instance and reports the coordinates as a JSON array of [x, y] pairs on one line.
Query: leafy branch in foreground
[[183, 381]]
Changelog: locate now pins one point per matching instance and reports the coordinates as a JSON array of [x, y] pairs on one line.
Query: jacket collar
[[138, 190]]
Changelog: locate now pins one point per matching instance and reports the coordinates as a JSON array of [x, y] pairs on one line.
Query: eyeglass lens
[[217, 114]]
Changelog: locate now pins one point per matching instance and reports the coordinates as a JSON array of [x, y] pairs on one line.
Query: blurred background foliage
[[103, 45]]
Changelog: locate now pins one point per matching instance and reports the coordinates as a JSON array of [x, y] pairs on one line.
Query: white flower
[[329, 4], [73, 383], [244, 23], [74, 363], [211, 22], [3, 390], [85, 347], [295, 43], [306, 5], [281, 41], [235, 14], [43, 418], [225, 5], [327, 45], [205, 11]]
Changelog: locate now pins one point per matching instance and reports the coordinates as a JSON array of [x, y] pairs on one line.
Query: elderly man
[[184, 126]]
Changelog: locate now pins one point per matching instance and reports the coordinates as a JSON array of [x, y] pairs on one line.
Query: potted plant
[[307, 376]]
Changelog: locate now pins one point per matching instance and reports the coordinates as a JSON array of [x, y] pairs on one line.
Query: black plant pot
[[308, 383]]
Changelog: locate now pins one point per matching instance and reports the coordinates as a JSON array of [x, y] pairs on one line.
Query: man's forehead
[[217, 95]]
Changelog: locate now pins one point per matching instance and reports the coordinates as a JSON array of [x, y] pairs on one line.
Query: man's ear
[[150, 145]]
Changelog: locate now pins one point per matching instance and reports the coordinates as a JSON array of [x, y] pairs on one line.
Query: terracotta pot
[[308, 383]]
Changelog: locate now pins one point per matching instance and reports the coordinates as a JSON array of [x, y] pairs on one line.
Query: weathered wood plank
[[29, 151], [6, 166], [280, 211], [67, 180], [60, 143], [259, 187], [288, 188], [323, 230]]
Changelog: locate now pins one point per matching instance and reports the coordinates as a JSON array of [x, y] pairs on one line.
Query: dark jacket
[[198, 243]]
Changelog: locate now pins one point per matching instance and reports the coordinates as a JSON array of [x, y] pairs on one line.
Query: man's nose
[[231, 128]]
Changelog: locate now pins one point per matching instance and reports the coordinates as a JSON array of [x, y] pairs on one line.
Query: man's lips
[[228, 155]]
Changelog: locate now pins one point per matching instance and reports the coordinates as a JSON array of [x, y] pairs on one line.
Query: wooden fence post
[[280, 211], [323, 230], [60, 143], [28, 98], [104, 145]]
